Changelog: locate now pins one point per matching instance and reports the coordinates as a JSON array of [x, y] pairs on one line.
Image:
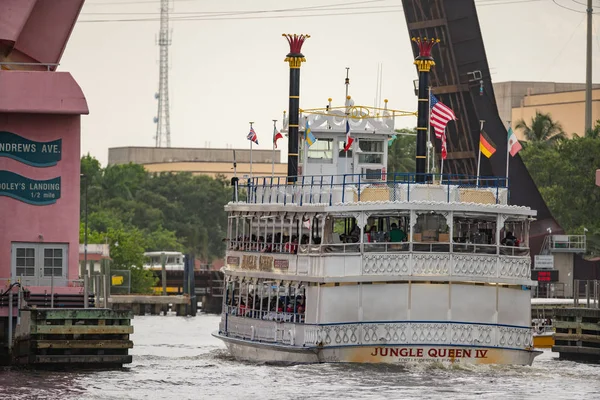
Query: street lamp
[[85, 233]]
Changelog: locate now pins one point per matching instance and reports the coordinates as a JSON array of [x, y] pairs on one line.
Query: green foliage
[[135, 211], [402, 151], [542, 129], [565, 176]]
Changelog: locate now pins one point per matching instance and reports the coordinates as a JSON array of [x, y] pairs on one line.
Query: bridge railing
[[357, 188]]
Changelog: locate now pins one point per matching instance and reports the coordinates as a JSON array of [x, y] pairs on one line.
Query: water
[[176, 358]]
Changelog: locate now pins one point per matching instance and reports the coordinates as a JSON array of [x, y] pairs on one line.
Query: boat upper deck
[[367, 189]]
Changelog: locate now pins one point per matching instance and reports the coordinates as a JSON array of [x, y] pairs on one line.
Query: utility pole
[[588, 70]]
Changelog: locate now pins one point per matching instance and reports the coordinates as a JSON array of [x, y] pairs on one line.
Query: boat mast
[[424, 62], [295, 58]]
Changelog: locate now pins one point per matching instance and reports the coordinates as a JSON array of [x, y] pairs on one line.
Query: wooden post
[[163, 261]]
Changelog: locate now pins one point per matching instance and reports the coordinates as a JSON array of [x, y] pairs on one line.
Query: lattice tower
[[163, 128]]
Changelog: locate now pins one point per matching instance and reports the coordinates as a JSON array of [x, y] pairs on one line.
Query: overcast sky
[[229, 71]]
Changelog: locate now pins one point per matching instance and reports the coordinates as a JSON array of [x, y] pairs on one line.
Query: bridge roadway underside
[[460, 53]]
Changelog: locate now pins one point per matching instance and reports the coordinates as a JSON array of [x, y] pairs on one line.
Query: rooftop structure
[[565, 102], [200, 161]]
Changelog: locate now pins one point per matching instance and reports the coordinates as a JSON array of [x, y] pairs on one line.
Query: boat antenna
[[234, 180], [347, 83], [234, 164]]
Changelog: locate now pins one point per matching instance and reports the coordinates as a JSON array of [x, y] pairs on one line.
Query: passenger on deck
[[354, 235], [397, 234], [509, 240]]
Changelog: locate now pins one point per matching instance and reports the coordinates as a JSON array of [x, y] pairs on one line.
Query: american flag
[[440, 115]]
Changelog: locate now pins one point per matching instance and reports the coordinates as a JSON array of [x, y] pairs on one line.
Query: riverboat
[[347, 262]]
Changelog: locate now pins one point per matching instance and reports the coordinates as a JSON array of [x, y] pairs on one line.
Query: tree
[[402, 151], [594, 133], [565, 177], [542, 129]]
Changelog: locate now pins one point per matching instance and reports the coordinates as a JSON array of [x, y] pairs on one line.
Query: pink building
[[40, 113]]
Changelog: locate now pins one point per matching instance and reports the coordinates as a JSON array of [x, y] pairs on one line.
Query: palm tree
[[542, 129], [594, 133], [402, 151]]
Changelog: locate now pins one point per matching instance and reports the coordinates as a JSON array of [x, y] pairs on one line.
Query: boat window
[[267, 300], [431, 227], [371, 152], [474, 234], [321, 151], [344, 230], [342, 153], [514, 238]]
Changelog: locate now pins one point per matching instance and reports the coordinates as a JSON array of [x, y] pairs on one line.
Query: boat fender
[[252, 333], [292, 339]]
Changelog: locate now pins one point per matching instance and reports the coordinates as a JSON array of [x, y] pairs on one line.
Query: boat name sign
[[433, 352], [262, 263]]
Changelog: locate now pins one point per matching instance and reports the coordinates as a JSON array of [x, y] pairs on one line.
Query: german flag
[[486, 146]]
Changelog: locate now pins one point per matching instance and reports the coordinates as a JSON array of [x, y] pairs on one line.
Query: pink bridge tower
[[40, 113]]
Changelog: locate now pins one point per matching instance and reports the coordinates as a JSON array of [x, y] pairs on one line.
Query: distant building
[[95, 254], [199, 161], [565, 102]]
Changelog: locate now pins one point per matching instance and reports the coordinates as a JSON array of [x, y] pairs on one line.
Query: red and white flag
[[276, 136], [349, 140]]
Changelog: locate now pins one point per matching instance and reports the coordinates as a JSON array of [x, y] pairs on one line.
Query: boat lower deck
[[253, 351]]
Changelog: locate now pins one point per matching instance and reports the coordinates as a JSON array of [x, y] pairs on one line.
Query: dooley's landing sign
[[30, 191], [36, 154]]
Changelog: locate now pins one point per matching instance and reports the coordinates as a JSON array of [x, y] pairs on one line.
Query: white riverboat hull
[[252, 351]]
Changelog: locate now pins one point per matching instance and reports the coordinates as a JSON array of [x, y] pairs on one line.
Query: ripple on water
[[180, 360]]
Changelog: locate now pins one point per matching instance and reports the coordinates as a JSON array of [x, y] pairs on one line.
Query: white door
[[40, 264]]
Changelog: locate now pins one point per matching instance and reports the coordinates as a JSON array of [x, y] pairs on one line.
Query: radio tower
[[163, 129]]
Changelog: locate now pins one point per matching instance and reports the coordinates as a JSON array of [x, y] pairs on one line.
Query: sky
[[227, 61]]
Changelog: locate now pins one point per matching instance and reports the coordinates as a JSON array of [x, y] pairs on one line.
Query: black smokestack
[[424, 62], [295, 58]]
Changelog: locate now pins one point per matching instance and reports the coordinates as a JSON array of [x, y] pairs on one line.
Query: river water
[[176, 358]]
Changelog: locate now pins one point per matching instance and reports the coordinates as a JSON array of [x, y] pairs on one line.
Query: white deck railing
[[447, 333], [354, 188]]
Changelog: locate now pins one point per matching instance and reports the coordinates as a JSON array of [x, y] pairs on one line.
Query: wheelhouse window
[[342, 153], [371, 151], [321, 151]]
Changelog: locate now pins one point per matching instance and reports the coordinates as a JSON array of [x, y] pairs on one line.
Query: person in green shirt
[[397, 234]]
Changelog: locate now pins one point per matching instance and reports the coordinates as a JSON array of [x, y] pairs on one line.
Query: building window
[[25, 262], [321, 151], [53, 262], [371, 151]]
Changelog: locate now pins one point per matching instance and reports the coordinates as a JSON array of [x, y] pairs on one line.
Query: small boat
[[543, 334]]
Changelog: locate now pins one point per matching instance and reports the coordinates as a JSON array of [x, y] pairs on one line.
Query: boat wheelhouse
[[360, 268]]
